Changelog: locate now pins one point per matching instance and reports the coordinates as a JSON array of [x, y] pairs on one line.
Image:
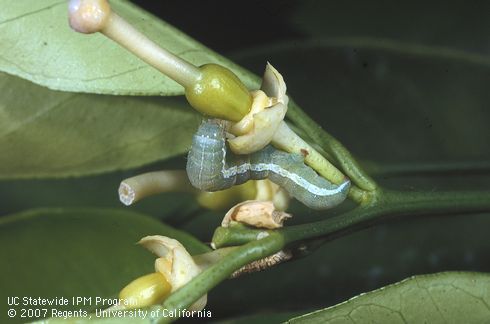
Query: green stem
[[355, 193], [212, 276], [392, 204], [287, 140], [176, 68], [332, 146], [360, 196], [385, 204], [234, 235], [442, 168]]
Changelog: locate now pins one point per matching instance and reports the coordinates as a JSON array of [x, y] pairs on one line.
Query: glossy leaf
[[77, 252], [95, 191], [451, 297], [360, 262], [37, 44], [259, 318], [393, 21], [55, 134], [391, 105]]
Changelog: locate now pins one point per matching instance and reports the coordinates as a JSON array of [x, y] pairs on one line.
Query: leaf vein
[[32, 12]]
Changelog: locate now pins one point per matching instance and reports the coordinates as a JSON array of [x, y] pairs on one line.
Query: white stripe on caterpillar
[[210, 168]]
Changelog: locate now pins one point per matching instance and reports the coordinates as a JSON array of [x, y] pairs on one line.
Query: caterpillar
[[210, 168]]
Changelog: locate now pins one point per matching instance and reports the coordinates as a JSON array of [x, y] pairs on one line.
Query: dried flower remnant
[[261, 214], [264, 263]]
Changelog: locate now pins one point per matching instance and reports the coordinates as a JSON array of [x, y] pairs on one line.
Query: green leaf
[[37, 44], [97, 192], [391, 103], [264, 318], [323, 19], [259, 318], [49, 133], [77, 252], [361, 261], [451, 297]]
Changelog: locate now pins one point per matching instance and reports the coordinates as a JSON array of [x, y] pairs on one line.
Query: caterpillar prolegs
[[211, 168]]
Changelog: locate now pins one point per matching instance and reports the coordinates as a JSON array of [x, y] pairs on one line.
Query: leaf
[[259, 318], [97, 192], [46, 133], [360, 262], [322, 19], [77, 252], [37, 44], [391, 104], [451, 297]]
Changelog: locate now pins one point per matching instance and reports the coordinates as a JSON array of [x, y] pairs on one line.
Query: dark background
[[227, 26]]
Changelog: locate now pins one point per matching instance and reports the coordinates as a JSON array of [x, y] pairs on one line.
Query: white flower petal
[[159, 245], [269, 107], [174, 262], [273, 84], [265, 125]]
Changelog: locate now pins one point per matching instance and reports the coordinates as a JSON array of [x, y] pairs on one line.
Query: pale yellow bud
[[145, 291], [224, 199], [88, 16], [174, 263]]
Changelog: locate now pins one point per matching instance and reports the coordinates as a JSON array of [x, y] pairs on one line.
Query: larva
[[210, 168]]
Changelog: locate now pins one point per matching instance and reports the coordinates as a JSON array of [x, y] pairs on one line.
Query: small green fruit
[[219, 93]]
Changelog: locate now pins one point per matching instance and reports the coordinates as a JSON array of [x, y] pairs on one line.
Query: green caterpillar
[[210, 168]]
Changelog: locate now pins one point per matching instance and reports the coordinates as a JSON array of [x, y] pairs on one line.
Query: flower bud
[[145, 291], [224, 199], [174, 263], [262, 190], [88, 16]]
